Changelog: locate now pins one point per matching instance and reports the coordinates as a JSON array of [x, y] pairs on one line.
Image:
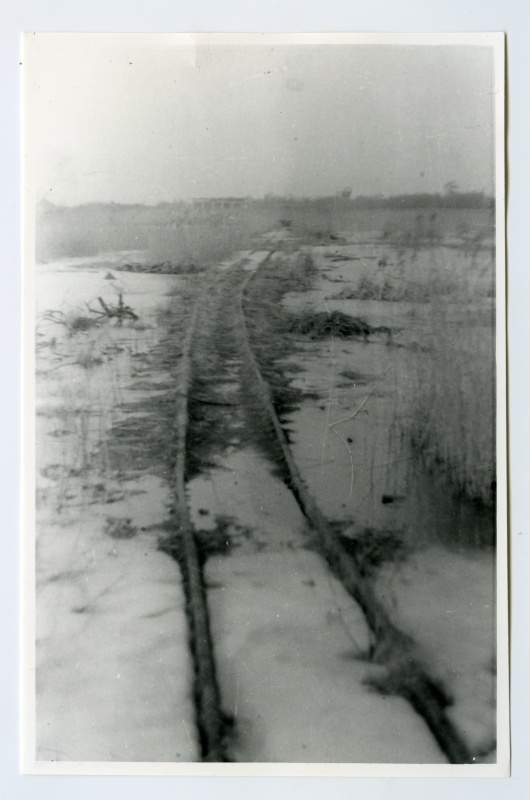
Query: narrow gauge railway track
[[218, 333]]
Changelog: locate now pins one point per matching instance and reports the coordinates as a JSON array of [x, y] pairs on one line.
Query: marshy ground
[[375, 357]]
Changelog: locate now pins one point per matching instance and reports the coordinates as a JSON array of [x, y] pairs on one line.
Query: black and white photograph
[[265, 431]]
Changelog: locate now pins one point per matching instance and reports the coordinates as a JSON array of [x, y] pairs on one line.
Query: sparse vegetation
[[453, 397], [452, 390], [383, 287], [372, 548], [118, 528]]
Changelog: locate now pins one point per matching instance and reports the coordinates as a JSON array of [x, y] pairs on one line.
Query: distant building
[[208, 204]]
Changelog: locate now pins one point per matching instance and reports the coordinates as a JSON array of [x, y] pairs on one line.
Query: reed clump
[[451, 394]]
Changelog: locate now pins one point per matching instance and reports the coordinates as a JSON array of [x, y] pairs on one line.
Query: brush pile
[[320, 325], [162, 268]]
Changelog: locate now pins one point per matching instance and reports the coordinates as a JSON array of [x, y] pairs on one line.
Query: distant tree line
[[452, 199]]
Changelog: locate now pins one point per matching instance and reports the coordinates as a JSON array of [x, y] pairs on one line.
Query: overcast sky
[[131, 121]]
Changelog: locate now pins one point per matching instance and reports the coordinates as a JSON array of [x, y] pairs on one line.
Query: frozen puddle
[[289, 644]]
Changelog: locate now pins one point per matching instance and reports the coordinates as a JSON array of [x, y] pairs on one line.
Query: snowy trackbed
[[243, 580]]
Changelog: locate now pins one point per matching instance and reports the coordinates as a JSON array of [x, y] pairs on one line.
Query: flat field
[[374, 338]]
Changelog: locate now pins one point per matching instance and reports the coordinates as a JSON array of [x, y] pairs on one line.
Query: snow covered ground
[[290, 644], [446, 602], [114, 674], [290, 647]]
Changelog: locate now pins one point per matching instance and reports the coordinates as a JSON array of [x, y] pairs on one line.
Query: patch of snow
[[114, 675], [113, 670], [290, 646], [243, 486], [446, 601]]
